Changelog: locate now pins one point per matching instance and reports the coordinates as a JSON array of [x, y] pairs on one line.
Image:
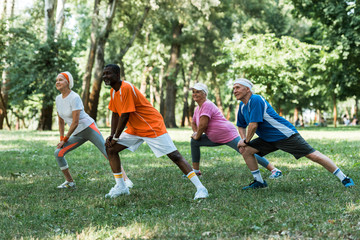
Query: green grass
[[308, 202]]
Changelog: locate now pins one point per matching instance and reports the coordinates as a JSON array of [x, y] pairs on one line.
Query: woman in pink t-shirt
[[212, 129]]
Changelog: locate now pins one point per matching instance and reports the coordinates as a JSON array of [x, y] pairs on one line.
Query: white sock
[[196, 171], [195, 180], [119, 179], [257, 176], [339, 174]]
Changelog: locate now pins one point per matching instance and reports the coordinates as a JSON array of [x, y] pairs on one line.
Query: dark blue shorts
[[295, 145]]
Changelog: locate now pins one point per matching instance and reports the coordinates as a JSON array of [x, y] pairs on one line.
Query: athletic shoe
[[348, 182], [275, 174], [67, 185], [201, 193], [255, 184], [197, 174], [117, 191], [129, 183]]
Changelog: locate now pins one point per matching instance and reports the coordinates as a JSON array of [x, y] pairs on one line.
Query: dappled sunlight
[[132, 231], [334, 135], [353, 207]]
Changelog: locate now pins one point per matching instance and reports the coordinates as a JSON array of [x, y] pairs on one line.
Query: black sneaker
[[255, 184]]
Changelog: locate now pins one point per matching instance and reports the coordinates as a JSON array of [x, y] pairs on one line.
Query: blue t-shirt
[[271, 127]]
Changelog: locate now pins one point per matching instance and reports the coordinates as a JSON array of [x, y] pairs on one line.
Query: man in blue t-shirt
[[274, 132]]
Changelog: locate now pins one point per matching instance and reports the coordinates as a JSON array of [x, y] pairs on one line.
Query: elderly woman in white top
[[82, 127]]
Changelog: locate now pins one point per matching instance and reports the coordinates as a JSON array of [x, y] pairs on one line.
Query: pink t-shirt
[[219, 129]]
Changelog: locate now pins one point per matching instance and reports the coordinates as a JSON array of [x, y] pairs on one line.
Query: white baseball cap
[[200, 86]]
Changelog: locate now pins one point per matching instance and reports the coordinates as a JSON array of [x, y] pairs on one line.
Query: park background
[[303, 57]]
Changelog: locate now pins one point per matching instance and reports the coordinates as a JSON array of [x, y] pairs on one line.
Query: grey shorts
[[295, 145]]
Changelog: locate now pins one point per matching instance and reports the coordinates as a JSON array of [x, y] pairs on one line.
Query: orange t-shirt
[[144, 120]]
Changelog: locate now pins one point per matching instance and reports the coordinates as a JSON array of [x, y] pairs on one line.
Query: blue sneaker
[[275, 174], [348, 182], [255, 184]]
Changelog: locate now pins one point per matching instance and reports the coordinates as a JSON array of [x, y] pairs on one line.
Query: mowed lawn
[[308, 202]]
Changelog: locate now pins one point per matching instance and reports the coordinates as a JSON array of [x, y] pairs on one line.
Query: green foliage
[[278, 65], [308, 202], [339, 23]]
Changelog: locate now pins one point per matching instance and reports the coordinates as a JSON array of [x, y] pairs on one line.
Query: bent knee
[[111, 150], [249, 151], [175, 156], [56, 153]]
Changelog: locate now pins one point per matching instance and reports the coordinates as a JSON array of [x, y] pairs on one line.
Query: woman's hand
[[60, 144], [194, 136]]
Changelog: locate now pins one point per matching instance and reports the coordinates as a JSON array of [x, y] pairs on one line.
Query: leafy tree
[[337, 26]]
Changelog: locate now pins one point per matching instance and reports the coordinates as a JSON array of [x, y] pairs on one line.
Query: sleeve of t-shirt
[[240, 118], [76, 103], [206, 110], [128, 99], [257, 106], [111, 103]]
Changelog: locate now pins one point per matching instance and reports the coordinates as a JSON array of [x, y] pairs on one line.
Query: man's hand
[[108, 141], [241, 145]]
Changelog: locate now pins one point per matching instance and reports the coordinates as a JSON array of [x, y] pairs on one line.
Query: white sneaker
[[201, 193], [129, 183], [67, 185], [117, 191]]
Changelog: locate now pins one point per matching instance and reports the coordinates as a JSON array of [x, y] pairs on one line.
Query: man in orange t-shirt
[[144, 123]]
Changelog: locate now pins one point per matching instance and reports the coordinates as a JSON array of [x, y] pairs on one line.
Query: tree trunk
[[3, 13], [296, 114], [60, 17], [143, 84], [334, 109], [356, 108], [100, 61], [3, 112], [217, 93], [230, 108], [50, 6], [192, 104], [5, 81], [185, 114], [91, 57], [185, 120], [45, 122], [123, 51], [171, 75], [162, 86], [152, 89]]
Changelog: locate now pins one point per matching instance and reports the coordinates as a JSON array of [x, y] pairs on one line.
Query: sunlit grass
[[308, 202]]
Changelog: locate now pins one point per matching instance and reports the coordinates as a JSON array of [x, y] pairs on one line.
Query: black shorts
[[295, 145]]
